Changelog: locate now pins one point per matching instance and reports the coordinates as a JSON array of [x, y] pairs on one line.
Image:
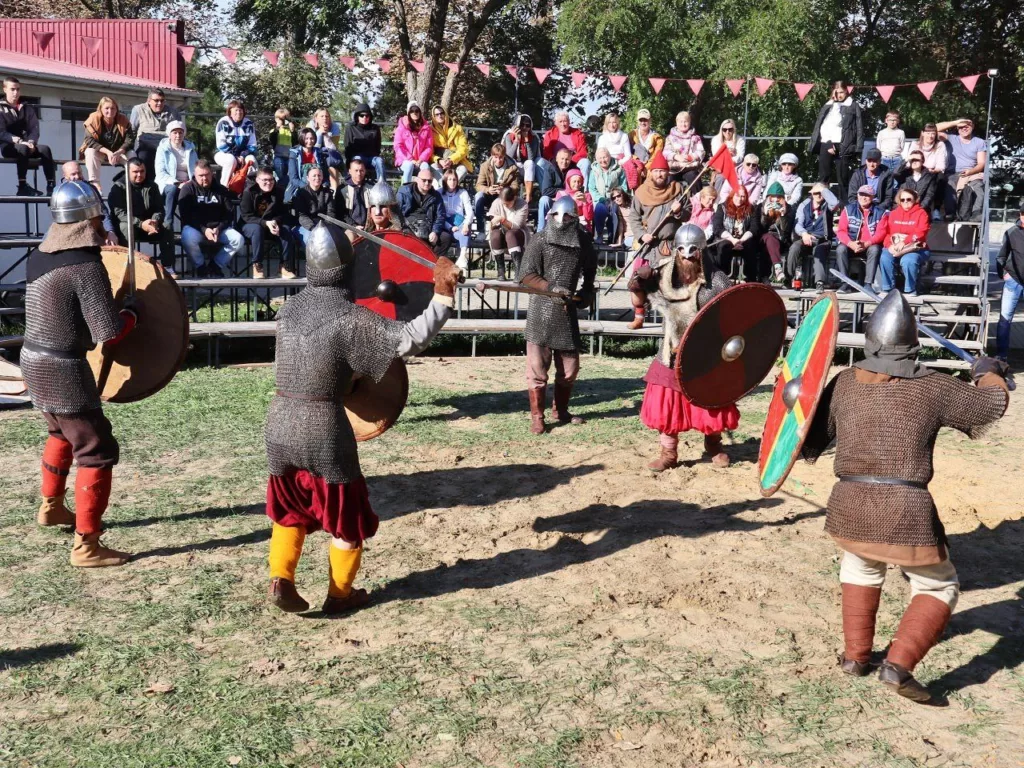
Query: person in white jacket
[[458, 214], [615, 140], [727, 135], [175, 163], [790, 180]]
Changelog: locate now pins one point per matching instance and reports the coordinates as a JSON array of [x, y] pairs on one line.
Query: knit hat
[[789, 157], [776, 189], [873, 154], [866, 190], [175, 125], [658, 162], [410, 105]]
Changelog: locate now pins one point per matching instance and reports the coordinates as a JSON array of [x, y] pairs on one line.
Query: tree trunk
[[431, 53], [474, 26]]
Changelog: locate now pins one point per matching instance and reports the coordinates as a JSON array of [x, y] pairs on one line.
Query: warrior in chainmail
[[555, 259], [678, 286], [324, 342], [884, 415], [68, 309]]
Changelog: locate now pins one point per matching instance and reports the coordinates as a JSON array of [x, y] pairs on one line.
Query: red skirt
[[668, 411], [303, 499]]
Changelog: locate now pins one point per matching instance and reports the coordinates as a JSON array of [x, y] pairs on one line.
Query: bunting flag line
[[885, 91], [514, 71], [802, 89], [617, 81], [735, 86], [272, 57], [485, 69], [970, 81], [92, 44], [657, 83], [417, 65], [695, 86], [763, 84], [230, 55], [453, 66], [927, 88], [349, 62], [43, 39], [187, 52], [541, 74], [312, 59], [578, 78], [385, 65]]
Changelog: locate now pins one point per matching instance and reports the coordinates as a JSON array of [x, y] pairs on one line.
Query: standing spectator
[[175, 164], [206, 219], [265, 216], [350, 199], [283, 137], [310, 201], [838, 137], [604, 177], [555, 183], [776, 230], [451, 150], [645, 140], [147, 217], [622, 202], [458, 214], [875, 175], [614, 139], [813, 227], [891, 141], [727, 135], [109, 137], [792, 183], [751, 177], [508, 233], [861, 232], [72, 171], [328, 138], [301, 159], [1010, 264], [913, 175], [702, 210], [236, 141], [735, 225], [936, 160], [423, 209], [523, 149], [363, 140], [967, 178], [19, 138], [564, 136], [906, 239], [584, 202], [149, 121], [496, 173], [414, 141], [684, 150]]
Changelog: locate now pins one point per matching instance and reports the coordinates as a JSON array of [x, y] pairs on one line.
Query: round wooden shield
[[413, 283], [731, 345], [797, 391], [374, 407], [146, 360]]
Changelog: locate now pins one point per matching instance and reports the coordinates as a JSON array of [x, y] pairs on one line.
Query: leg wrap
[[344, 566], [92, 492], [920, 629], [860, 606], [285, 551], [57, 460]]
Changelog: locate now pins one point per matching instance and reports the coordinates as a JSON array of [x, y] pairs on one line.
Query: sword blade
[[504, 285], [380, 241]]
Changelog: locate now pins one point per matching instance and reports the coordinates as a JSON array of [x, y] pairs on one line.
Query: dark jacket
[[204, 208], [557, 179], [362, 140], [297, 170], [22, 123], [259, 207], [147, 202], [852, 128], [925, 186], [781, 227], [423, 213], [885, 187], [350, 204], [307, 205], [1011, 254], [752, 223]]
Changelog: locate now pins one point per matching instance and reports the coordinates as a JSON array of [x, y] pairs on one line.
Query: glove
[[446, 277], [986, 365]]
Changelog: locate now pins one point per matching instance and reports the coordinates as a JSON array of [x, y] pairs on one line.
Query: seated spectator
[[19, 138], [913, 175], [861, 231], [645, 140], [451, 150], [891, 141], [109, 137], [523, 148], [906, 239], [967, 178], [508, 233], [328, 138], [147, 219], [310, 201], [936, 160], [555, 181], [1010, 264], [458, 214], [735, 226], [363, 140], [496, 173], [876, 176], [614, 139], [584, 202], [265, 217], [423, 210], [175, 164], [684, 150], [813, 228], [776, 230], [751, 177], [206, 220], [283, 137], [736, 144], [414, 141], [149, 121], [564, 136], [301, 158], [702, 210], [792, 183], [72, 171], [350, 199], [623, 203], [236, 141], [604, 177]]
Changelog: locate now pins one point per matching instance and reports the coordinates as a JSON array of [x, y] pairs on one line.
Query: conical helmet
[[74, 201], [691, 239], [381, 195], [328, 248], [892, 324], [564, 207]]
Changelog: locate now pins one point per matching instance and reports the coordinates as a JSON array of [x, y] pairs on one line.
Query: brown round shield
[[731, 345], [147, 359], [373, 407]]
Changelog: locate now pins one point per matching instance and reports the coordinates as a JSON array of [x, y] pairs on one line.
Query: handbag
[[236, 183]]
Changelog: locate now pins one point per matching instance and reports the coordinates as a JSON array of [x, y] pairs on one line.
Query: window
[[75, 111]]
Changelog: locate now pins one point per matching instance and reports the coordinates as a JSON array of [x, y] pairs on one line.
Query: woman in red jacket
[[906, 240]]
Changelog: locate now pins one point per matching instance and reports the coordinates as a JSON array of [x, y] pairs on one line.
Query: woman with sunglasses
[[906, 239], [328, 138], [838, 137], [912, 174], [727, 135], [752, 179], [451, 150], [363, 140], [414, 141]]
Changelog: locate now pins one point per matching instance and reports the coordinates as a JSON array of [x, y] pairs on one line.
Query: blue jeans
[[1012, 292], [909, 262], [409, 167], [230, 241], [543, 206], [378, 167], [604, 212], [281, 170], [481, 204], [461, 239], [170, 203], [257, 233], [892, 163]]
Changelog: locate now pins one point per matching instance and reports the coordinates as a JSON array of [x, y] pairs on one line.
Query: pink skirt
[[668, 411], [341, 509]]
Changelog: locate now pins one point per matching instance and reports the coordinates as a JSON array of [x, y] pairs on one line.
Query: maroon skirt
[[341, 509], [668, 411]]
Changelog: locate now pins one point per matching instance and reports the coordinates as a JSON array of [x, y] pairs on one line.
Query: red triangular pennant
[[417, 65], [885, 91], [485, 68], [92, 44], [763, 84], [802, 89], [657, 83], [850, 88], [514, 71], [453, 66], [187, 52], [139, 47], [617, 81], [578, 78], [927, 88], [349, 62], [230, 55], [695, 86], [272, 57], [43, 39], [735, 86], [385, 65], [970, 82], [541, 74], [312, 59]]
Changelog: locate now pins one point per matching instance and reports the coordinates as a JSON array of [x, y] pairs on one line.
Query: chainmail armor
[[67, 310], [550, 322], [677, 312], [888, 430]]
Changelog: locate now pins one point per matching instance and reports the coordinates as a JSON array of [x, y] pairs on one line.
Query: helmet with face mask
[[563, 211], [691, 240]]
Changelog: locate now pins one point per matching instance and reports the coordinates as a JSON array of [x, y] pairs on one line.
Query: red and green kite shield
[[797, 391]]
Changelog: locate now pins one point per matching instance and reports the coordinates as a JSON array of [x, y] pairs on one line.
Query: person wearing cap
[[967, 179], [564, 136], [786, 175], [876, 176], [1010, 264], [645, 140], [684, 150], [175, 164], [414, 141], [861, 232], [838, 137], [775, 230], [108, 138], [913, 175], [813, 228]]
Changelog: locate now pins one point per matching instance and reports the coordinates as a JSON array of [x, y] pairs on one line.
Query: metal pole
[[983, 246], [746, 106], [131, 229]]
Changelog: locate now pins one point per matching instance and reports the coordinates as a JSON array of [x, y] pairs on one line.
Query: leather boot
[[560, 408], [499, 263], [89, 553], [668, 457], [53, 511], [903, 682], [713, 448], [860, 607], [920, 629], [357, 598], [638, 319], [283, 595], [537, 397]]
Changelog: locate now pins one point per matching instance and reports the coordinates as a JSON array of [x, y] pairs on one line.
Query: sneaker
[[49, 188], [214, 270], [287, 274], [25, 190], [171, 273], [819, 286], [257, 272], [844, 288]]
